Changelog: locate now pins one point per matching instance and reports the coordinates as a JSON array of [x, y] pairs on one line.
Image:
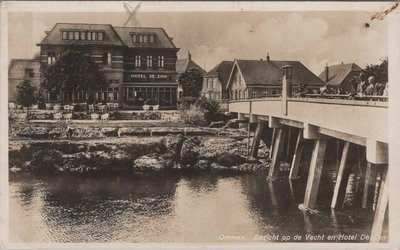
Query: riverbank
[[45, 148]]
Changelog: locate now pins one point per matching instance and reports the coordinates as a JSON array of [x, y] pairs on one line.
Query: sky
[[314, 38]]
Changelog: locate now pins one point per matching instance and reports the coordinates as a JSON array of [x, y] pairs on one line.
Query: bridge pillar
[[381, 208], [253, 118], [314, 175], [278, 142], [377, 152], [259, 134], [342, 178], [294, 168], [242, 120], [369, 185]]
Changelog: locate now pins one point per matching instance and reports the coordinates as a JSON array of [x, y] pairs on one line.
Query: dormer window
[[64, 35], [142, 38], [82, 35], [29, 73]]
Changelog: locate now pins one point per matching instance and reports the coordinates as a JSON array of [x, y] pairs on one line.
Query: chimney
[[268, 56], [326, 73], [189, 56], [287, 80]]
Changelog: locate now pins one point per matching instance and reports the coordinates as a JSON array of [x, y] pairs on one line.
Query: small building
[[262, 78], [215, 81], [341, 76], [184, 64], [20, 70]]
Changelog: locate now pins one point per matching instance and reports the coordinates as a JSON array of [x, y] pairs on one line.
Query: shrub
[[79, 116], [191, 109], [194, 115], [148, 115], [40, 116], [115, 115], [78, 108], [46, 161], [185, 102]]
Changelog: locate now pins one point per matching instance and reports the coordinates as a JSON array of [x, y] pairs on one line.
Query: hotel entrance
[[138, 96]]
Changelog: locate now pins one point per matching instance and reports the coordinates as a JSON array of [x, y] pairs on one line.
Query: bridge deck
[[360, 122]]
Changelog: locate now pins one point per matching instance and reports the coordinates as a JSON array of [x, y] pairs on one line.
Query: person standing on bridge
[[362, 85], [371, 89], [386, 90]]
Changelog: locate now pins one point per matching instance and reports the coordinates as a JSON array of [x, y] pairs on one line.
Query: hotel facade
[[139, 64]]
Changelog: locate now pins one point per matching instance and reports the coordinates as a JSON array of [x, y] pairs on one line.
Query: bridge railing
[[374, 98]]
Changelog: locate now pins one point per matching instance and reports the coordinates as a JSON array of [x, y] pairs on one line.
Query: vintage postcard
[[140, 124]]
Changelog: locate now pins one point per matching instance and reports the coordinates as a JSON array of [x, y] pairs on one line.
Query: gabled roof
[[337, 73], [222, 70], [162, 39], [54, 36], [114, 36], [23, 64], [270, 73], [184, 64]]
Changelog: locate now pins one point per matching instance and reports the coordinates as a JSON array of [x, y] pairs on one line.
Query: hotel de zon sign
[[140, 77]]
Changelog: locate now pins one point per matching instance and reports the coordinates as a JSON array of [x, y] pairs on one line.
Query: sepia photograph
[[219, 124]]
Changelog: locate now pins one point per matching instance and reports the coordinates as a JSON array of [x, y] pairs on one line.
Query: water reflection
[[194, 207]]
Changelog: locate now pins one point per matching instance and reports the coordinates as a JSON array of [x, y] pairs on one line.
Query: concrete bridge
[[355, 123]]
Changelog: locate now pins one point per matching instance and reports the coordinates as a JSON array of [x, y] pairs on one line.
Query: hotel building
[[138, 63]]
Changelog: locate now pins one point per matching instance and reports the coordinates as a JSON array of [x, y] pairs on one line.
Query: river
[[177, 206]]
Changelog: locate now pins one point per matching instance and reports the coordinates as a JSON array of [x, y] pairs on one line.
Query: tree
[[25, 95], [73, 71], [191, 82], [379, 71]]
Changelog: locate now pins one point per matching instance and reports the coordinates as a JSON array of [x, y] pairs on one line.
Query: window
[[28, 73], [161, 61], [76, 35], [151, 38], [70, 35], [145, 38], [116, 81], [107, 59], [93, 36], [213, 83], [149, 61], [100, 35], [137, 61], [240, 94], [140, 38], [83, 35], [253, 94], [134, 38], [89, 36], [51, 57], [64, 35]]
